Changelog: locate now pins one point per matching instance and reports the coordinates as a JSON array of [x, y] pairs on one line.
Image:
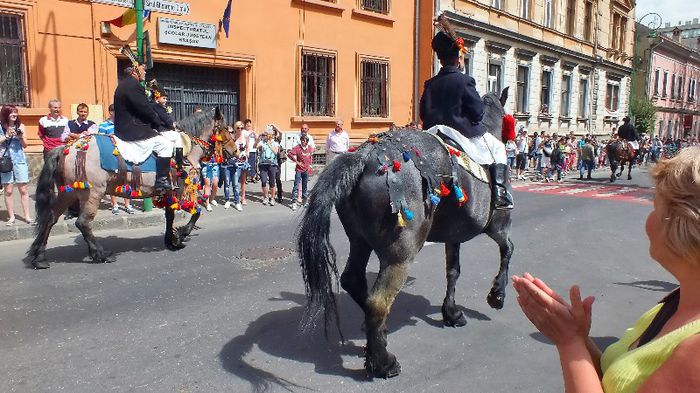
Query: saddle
[[462, 159]]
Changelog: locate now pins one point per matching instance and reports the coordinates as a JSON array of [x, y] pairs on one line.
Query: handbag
[[6, 160]]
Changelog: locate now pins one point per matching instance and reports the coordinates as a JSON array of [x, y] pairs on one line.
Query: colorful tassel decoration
[[406, 156], [396, 166], [444, 191], [416, 152], [434, 199], [459, 193], [352, 149], [400, 221], [62, 189], [66, 151], [408, 213], [115, 152], [372, 139]]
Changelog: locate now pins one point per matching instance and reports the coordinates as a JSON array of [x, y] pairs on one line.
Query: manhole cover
[[265, 253]]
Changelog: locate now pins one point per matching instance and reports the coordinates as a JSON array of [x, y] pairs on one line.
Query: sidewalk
[[105, 220]]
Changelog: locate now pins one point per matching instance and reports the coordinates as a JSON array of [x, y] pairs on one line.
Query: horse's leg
[[185, 230], [44, 224], [172, 239], [451, 316], [501, 235], [354, 279], [629, 171], [88, 209], [613, 168], [378, 361]]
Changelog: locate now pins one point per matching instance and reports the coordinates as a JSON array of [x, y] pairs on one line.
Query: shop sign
[[182, 32], [162, 6]]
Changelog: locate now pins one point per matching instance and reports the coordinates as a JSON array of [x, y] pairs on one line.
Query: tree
[[644, 113]]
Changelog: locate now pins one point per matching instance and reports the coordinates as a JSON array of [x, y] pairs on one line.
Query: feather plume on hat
[[445, 26]]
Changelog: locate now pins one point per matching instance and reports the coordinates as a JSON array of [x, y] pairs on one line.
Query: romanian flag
[[128, 18]]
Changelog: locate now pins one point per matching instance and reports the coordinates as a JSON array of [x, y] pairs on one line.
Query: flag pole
[[138, 7]]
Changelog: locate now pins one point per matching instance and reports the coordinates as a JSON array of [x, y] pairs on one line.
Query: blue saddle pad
[[108, 161]]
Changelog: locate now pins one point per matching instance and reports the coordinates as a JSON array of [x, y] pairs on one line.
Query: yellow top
[[625, 369]]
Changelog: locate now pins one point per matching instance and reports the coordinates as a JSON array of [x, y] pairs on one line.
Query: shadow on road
[[651, 285], [277, 334], [601, 342], [78, 253]]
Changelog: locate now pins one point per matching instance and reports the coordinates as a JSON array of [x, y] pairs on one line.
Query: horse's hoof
[[455, 321], [390, 369], [39, 265], [174, 247], [629, 177], [495, 300]]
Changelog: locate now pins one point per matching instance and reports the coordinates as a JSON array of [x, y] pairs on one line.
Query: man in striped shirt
[[52, 126]]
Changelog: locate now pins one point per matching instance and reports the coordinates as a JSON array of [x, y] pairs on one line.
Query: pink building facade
[[674, 74]]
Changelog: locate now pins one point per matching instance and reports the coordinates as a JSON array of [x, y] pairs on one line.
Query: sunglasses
[[239, 128]]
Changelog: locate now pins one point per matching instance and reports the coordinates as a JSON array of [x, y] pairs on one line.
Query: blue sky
[[671, 11]]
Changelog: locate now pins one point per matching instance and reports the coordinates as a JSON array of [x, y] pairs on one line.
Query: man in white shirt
[[337, 142], [522, 142]]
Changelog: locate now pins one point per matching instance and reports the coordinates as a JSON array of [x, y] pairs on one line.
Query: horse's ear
[[504, 96]]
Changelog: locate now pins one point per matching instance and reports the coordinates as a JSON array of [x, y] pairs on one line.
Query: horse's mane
[[197, 123], [493, 114]]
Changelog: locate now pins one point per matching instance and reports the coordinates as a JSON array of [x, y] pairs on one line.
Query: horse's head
[[494, 112], [200, 126]]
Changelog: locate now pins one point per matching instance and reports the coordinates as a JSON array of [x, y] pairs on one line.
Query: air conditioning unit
[[289, 140]]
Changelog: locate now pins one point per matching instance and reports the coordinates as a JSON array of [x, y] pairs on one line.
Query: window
[[525, 9], [663, 92], [570, 17], [13, 80], [673, 87], [565, 95], [380, 6], [612, 96], [494, 79], [588, 21], [583, 98], [374, 88], [656, 83], [691, 90], [680, 88], [623, 33], [549, 14], [619, 29], [546, 94], [317, 84], [497, 4], [523, 89]]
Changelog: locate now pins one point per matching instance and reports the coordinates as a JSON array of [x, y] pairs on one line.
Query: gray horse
[[351, 184]]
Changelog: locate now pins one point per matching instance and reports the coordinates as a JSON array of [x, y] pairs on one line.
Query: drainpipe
[[416, 61], [595, 85]]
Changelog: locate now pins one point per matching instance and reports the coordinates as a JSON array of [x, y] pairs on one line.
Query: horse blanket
[[109, 161]]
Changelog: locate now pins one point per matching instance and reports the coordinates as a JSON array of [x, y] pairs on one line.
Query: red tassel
[[396, 166], [444, 191], [352, 149], [508, 128]]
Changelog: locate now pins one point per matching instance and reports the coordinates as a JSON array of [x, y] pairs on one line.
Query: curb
[[139, 220]]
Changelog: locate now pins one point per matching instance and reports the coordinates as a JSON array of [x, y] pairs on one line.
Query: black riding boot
[[179, 158], [500, 187], [162, 175]]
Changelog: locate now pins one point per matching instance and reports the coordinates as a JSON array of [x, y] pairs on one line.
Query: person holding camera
[[268, 148], [12, 144]]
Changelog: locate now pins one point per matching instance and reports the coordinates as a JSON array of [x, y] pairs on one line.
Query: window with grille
[[13, 79], [612, 96], [380, 6], [523, 89], [374, 88], [317, 84], [565, 95], [546, 95]]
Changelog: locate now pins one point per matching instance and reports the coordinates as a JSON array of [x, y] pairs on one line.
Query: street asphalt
[[222, 315]]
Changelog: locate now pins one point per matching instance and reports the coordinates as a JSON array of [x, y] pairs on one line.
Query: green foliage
[[644, 113]]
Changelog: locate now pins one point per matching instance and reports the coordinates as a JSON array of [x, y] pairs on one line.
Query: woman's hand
[[552, 316]]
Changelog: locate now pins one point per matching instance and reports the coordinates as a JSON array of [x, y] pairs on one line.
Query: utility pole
[[138, 7]]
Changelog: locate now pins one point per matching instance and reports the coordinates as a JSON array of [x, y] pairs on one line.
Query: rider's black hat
[[444, 46]]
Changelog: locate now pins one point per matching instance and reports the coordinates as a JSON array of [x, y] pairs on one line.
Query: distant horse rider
[[136, 123], [450, 99], [160, 106], [628, 133]]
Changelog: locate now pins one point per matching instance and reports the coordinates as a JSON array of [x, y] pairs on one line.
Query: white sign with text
[[182, 32]]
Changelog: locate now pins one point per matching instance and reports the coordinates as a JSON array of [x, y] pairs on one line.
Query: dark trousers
[[586, 165]]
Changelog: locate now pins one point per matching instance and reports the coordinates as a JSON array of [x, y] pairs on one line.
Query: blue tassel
[[408, 214], [406, 156], [434, 199]]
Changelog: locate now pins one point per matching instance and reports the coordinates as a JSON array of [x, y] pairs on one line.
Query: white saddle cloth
[[138, 151], [634, 144], [484, 149]]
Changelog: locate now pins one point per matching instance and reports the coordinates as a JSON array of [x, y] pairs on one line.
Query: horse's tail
[[316, 254], [45, 198]]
